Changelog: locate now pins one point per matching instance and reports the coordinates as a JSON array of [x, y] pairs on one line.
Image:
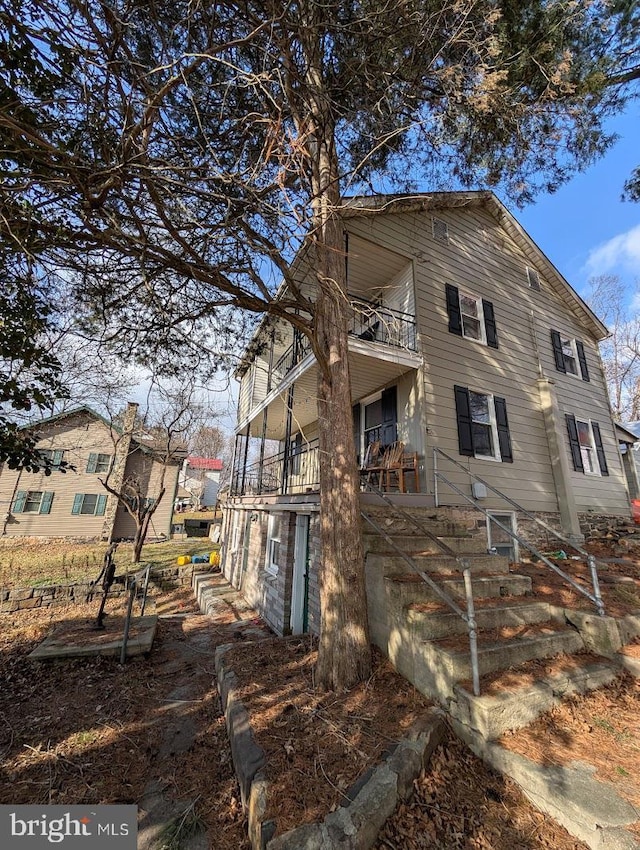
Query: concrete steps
[[435, 625], [425, 545], [442, 564], [407, 588], [428, 643], [496, 655]]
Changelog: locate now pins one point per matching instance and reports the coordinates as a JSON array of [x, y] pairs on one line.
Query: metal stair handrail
[[469, 616], [595, 598]]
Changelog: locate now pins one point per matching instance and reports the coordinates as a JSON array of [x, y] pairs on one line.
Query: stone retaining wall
[[22, 598]]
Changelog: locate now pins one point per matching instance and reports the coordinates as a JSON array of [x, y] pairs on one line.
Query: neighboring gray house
[[468, 347]]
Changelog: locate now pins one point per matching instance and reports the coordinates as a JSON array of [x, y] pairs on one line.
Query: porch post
[[287, 440], [234, 470], [244, 460], [270, 371], [262, 441]]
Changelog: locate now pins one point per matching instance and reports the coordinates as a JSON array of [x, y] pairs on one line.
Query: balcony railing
[[296, 352], [374, 323], [369, 322], [285, 473]]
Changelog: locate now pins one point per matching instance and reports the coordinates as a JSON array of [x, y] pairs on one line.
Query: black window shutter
[[490, 324], [574, 442], [504, 438], [389, 429], [463, 414], [557, 351], [583, 361], [597, 436], [453, 309], [355, 410]]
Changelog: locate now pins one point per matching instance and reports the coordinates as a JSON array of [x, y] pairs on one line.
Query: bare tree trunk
[[344, 656]]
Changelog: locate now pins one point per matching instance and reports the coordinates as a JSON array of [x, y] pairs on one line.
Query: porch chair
[[398, 463], [372, 466]]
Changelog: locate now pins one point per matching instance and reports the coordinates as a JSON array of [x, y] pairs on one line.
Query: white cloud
[[619, 254]]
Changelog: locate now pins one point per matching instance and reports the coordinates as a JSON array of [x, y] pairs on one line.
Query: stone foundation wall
[[23, 598]]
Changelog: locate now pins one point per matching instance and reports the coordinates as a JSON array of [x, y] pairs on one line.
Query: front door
[[300, 582], [381, 419]]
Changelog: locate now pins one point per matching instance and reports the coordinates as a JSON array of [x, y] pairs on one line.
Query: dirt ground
[[93, 731]]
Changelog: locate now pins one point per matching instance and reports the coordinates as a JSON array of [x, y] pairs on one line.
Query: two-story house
[[74, 503], [467, 347]]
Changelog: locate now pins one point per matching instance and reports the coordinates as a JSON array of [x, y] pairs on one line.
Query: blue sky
[[585, 229]]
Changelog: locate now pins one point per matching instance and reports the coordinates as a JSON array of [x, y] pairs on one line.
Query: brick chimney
[[123, 445]]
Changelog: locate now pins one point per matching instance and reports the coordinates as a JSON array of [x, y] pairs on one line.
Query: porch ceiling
[[371, 266], [368, 374]]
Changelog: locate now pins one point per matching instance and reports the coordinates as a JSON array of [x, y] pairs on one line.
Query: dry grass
[[30, 562]]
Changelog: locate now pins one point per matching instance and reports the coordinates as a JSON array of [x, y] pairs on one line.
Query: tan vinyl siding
[[482, 259], [150, 472], [79, 436]]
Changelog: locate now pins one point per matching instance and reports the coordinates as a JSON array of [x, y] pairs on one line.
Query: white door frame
[[298, 581]]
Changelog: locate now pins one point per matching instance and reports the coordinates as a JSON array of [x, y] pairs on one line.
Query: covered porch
[[276, 448]]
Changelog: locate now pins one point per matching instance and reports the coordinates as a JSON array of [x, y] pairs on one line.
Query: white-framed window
[[500, 540], [98, 462], [587, 447], [484, 426], [54, 456], [272, 559], [89, 504], [472, 317], [32, 502], [569, 355]]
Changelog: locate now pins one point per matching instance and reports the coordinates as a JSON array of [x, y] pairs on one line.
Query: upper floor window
[[32, 502], [569, 355], [471, 316], [585, 442], [53, 456], [483, 427], [98, 463]]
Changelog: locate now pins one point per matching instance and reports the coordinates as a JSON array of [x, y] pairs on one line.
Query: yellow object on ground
[[214, 559], [184, 559]]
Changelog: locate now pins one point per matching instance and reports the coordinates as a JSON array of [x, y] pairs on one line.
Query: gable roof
[[146, 445], [374, 205], [56, 417], [370, 205]]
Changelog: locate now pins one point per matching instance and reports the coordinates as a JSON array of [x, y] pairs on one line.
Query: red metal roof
[[205, 463]]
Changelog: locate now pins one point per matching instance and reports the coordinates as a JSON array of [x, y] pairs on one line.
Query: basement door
[[300, 583]]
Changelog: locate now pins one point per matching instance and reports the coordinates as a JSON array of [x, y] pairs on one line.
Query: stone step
[[442, 564], [455, 664], [411, 543], [492, 715], [407, 588], [439, 624], [392, 525]]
